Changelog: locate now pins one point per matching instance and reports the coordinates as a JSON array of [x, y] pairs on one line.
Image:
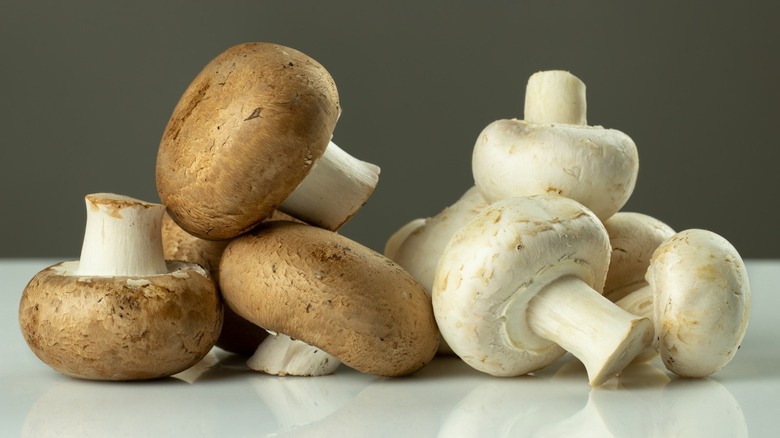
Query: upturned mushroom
[[327, 300], [121, 312], [252, 134], [520, 284], [698, 296], [554, 151]]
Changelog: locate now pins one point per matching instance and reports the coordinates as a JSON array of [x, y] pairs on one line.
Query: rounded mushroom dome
[[244, 134], [702, 302], [596, 167]]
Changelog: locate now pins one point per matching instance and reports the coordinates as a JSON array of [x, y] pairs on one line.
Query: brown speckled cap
[[120, 328], [333, 293], [244, 134]]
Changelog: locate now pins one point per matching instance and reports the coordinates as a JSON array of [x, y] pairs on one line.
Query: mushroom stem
[[282, 355], [555, 97], [603, 336], [640, 302], [333, 191], [122, 237]]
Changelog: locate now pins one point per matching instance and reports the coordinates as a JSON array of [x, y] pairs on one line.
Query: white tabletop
[[220, 397]]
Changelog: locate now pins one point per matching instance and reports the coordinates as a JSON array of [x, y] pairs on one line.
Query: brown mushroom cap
[[333, 293], [120, 328], [244, 134]]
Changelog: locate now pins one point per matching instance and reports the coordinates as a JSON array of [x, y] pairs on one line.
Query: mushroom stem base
[[603, 336], [333, 191], [281, 355]]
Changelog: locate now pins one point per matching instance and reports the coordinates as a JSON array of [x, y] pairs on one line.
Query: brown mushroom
[[121, 312], [252, 134], [332, 295]]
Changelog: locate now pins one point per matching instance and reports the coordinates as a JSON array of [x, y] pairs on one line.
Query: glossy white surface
[[219, 397]]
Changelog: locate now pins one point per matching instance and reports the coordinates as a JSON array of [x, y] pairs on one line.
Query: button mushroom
[[522, 280], [553, 151], [252, 134], [319, 292], [699, 296], [121, 312]]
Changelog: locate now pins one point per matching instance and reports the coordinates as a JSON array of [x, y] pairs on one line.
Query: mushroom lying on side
[[553, 151], [327, 299], [121, 312], [699, 298], [522, 280], [252, 134]]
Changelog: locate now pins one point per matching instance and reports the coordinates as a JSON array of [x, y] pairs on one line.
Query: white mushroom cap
[[702, 302], [419, 252], [634, 237], [597, 167], [525, 275]]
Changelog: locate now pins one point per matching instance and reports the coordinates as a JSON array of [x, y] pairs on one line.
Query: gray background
[[88, 86]]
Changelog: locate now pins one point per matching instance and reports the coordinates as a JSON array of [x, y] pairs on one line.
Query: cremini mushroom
[[520, 284], [699, 297], [121, 312], [252, 134], [326, 298], [553, 151], [633, 237]]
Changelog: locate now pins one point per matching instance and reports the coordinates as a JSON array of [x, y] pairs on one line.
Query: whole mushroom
[[327, 300], [252, 134], [553, 151], [520, 284], [121, 312], [698, 296]]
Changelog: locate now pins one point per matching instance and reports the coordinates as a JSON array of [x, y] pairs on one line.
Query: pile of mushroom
[[533, 261], [516, 276], [254, 191]]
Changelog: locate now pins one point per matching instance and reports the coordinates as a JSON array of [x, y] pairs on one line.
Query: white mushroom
[[554, 152], [520, 283], [699, 296]]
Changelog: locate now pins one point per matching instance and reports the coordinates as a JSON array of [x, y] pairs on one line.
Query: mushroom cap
[[332, 293], [419, 252], [493, 267], [702, 302], [634, 237], [244, 134], [121, 328], [596, 167]]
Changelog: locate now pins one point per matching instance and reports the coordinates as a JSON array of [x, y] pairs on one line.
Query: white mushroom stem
[[555, 97], [333, 191], [601, 335], [640, 303], [281, 355], [122, 237]]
